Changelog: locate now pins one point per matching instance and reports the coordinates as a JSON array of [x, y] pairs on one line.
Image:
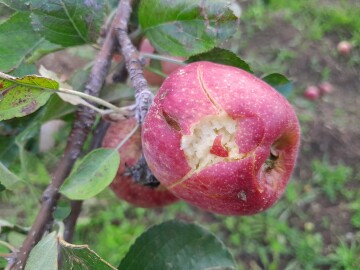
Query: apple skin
[[123, 185], [344, 47], [167, 67], [265, 122], [312, 92], [326, 88]]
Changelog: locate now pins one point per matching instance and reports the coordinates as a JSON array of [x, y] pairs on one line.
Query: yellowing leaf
[[23, 96]]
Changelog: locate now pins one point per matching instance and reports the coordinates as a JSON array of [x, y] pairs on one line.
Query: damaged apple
[[221, 139]]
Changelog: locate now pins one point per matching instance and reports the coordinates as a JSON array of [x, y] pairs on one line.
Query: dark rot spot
[[171, 121], [270, 163], [31, 107], [1, 85], [217, 149]]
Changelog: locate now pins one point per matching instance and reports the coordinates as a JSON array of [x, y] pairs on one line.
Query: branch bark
[[134, 63], [81, 127]]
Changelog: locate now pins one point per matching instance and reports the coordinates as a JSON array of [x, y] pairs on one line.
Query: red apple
[[221, 139], [326, 88], [344, 48], [312, 92], [123, 185], [167, 67]]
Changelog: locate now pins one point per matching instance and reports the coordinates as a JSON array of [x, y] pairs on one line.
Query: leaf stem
[[89, 97], [70, 92], [127, 137], [7, 245], [163, 58], [5, 255]]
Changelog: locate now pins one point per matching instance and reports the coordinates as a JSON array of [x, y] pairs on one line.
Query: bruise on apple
[[221, 139]]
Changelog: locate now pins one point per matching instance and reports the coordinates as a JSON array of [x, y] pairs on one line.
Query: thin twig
[[163, 58], [134, 63], [127, 137], [81, 128], [70, 221]]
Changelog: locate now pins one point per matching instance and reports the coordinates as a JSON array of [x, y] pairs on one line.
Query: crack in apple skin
[[208, 95], [242, 186], [222, 116]]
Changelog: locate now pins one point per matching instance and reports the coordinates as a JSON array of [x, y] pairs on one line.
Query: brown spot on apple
[[242, 195], [171, 121]]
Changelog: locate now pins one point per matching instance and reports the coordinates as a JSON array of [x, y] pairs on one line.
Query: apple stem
[[163, 58], [127, 137]]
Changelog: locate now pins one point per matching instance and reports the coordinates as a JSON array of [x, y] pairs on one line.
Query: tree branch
[[134, 63], [81, 127]]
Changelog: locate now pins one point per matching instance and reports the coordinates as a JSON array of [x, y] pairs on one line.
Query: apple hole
[[270, 162], [171, 121], [199, 145]]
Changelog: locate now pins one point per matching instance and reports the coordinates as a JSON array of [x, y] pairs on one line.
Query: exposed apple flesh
[[258, 127], [123, 185]]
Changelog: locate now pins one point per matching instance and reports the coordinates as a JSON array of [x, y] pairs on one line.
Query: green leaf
[[30, 131], [33, 169], [79, 257], [62, 210], [23, 70], [8, 150], [275, 79], [8, 179], [68, 22], [115, 92], [56, 108], [21, 5], [93, 174], [279, 82], [44, 255], [3, 263], [6, 226], [186, 27], [2, 187], [22, 96], [221, 56], [17, 40], [176, 245]]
